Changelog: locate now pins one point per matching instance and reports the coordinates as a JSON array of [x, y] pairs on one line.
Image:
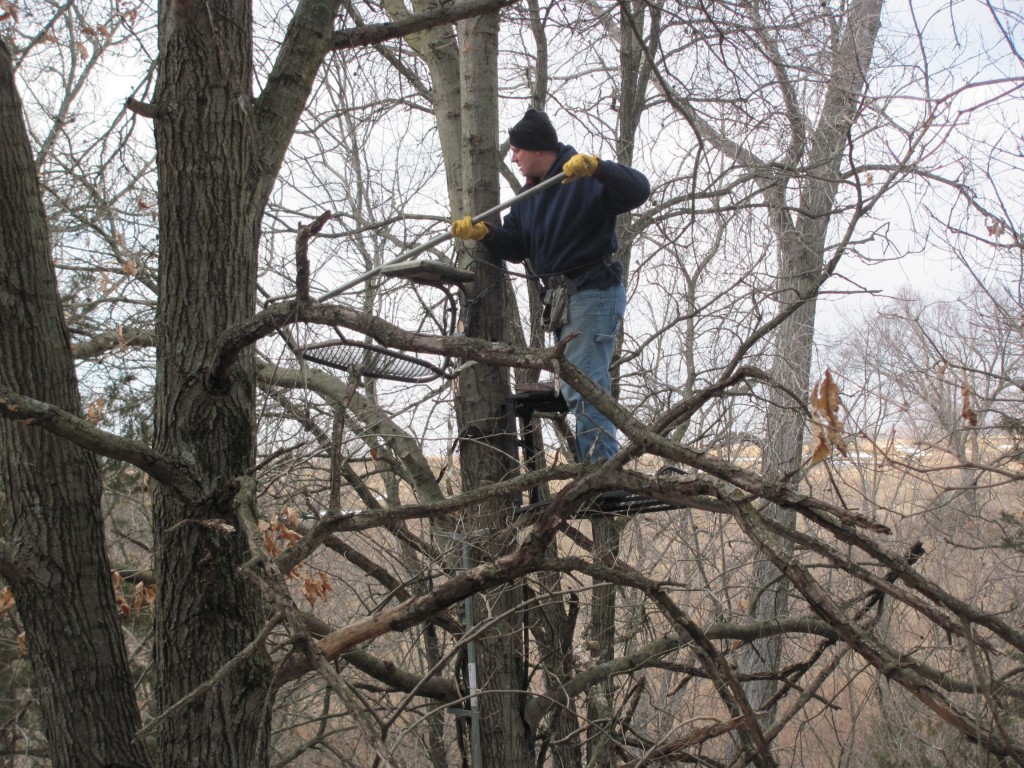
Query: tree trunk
[[802, 246], [51, 489], [465, 107], [206, 159], [601, 633], [439, 46], [487, 450]]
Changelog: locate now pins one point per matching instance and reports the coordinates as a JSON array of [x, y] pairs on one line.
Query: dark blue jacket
[[570, 228]]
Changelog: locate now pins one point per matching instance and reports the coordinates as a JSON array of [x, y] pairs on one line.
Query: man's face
[[533, 164]]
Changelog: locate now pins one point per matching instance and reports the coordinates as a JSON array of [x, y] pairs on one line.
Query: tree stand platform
[[544, 399]]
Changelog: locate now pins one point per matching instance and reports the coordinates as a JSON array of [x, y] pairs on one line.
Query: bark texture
[[207, 163], [464, 78], [50, 490], [487, 450]]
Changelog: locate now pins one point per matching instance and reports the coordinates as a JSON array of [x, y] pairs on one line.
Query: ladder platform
[[608, 504]]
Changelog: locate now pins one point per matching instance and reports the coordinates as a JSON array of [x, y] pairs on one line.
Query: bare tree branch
[[174, 474], [447, 14]]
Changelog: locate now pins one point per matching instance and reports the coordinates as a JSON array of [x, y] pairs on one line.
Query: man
[[568, 233]]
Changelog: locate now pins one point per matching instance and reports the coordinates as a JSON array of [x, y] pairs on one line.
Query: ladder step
[[526, 404]]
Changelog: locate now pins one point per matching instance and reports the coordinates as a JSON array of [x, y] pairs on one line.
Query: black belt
[[572, 278]]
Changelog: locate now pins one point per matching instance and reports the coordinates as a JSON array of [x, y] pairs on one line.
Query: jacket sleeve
[[625, 188], [507, 241]]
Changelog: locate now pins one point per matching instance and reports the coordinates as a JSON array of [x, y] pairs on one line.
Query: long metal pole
[[443, 237]]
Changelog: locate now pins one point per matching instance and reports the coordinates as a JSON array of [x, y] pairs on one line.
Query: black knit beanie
[[534, 132]]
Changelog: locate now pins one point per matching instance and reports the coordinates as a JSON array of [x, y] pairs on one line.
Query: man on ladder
[[567, 232]]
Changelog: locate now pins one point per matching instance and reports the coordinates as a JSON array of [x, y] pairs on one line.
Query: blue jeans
[[595, 314]]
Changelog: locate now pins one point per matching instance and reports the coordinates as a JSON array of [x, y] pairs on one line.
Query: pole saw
[[443, 237]]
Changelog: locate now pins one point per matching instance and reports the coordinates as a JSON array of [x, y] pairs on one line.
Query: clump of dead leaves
[[279, 534], [826, 426], [141, 594]]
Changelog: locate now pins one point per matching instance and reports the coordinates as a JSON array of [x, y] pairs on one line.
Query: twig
[[306, 232]]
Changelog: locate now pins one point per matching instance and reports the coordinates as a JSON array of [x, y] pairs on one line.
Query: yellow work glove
[[578, 167], [465, 229]]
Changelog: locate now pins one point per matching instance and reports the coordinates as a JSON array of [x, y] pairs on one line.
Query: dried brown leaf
[[821, 450], [140, 591], [967, 413], [94, 411], [6, 600], [271, 544], [8, 10]]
